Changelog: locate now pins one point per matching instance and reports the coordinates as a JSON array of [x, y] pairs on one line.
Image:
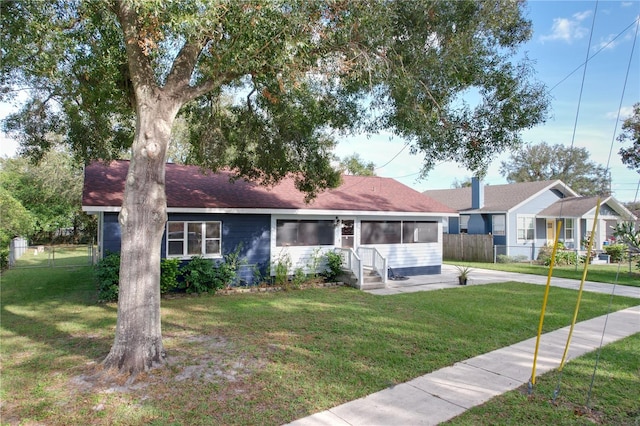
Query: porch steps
[[372, 279]]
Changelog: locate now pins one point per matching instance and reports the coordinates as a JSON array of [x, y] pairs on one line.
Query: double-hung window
[[498, 224], [464, 224], [568, 229], [525, 228], [187, 239]]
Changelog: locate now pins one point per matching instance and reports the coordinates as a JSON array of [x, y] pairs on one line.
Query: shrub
[[169, 274], [4, 259], [199, 275], [563, 257], [616, 251], [108, 276], [334, 265]]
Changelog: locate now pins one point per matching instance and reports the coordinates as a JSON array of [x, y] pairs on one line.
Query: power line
[[595, 54]]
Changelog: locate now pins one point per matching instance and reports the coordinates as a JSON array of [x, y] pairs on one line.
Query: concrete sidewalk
[[450, 391]]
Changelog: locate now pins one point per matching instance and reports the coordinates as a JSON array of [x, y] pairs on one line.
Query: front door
[[346, 227], [551, 232]]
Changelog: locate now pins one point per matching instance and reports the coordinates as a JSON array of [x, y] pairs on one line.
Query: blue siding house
[[522, 217], [372, 221]]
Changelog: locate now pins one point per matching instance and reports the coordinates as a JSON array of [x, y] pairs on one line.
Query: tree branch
[[140, 68], [183, 66]]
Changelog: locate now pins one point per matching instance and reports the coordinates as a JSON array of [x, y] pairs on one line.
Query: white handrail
[[353, 262], [372, 258]]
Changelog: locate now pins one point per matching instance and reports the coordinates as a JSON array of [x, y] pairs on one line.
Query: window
[[186, 239], [304, 233], [498, 224], [464, 224], [419, 232], [525, 228], [568, 229], [397, 232]]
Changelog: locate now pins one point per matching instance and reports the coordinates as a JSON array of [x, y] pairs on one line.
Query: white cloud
[[606, 43], [581, 16], [625, 112], [567, 29], [626, 4]]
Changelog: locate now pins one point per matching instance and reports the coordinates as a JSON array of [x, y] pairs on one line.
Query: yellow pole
[[544, 300], [584, 277]]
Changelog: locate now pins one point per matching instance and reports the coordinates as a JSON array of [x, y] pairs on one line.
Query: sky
[[589, 118]]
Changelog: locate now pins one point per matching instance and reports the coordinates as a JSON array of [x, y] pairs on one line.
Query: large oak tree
[[265, 86]]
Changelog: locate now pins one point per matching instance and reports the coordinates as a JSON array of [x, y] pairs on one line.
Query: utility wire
[[624, 88], [613, 290], [586, 265], [589, 58]]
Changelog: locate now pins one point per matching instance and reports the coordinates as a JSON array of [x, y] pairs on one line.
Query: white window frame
[[522, 224], [567, 228], [464, 218], [185, 239], [499, 228]]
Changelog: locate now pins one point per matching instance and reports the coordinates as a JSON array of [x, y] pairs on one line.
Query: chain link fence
[[24, 255]]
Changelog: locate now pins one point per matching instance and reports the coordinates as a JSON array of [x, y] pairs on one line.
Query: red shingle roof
[[189, 187]]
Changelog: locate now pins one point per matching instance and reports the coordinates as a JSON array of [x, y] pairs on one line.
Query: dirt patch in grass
[[202, 358]]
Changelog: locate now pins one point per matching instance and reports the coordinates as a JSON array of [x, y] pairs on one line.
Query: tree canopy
[[293, 69], [266, 87], [548, 162], [631, 133]]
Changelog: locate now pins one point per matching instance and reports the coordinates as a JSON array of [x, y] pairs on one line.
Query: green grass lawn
[[614, 398], [258, 358], [611, 273]]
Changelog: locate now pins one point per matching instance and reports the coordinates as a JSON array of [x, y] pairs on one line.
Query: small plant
[[315, 260], [299, 278], [281, 269], [463, 274], [334, 265]]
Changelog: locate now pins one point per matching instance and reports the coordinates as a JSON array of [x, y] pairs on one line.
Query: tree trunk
[[138, 341]]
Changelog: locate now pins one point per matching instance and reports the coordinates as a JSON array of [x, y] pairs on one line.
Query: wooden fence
[[466, 247]]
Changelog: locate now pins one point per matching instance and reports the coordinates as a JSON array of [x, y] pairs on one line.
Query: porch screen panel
[[304, 232], [380, 232], [419, 232]]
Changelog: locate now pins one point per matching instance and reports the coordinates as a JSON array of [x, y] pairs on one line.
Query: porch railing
[[353, 263], [371, 258]]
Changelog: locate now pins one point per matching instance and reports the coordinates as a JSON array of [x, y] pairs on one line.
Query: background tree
[[462, 183], [631, 133], [355, 165], [50, 191], [549, 162], [111, 74], [15, 220]]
